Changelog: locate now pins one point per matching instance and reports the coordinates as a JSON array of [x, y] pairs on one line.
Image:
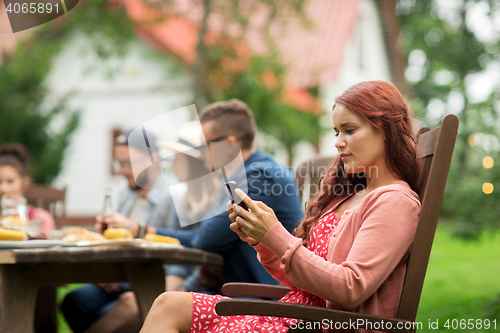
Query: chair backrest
[[434, 152], [51, 199], [307, 176]]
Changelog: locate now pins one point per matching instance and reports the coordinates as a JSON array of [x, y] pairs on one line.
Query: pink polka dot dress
[[205, 318]]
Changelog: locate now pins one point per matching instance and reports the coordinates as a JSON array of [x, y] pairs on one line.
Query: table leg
[[147, 281], [19, 287], [45, 320]]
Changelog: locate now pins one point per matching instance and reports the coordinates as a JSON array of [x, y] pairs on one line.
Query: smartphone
[[230, 186]]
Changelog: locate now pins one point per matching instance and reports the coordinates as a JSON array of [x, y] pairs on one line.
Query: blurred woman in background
[[15, 180]]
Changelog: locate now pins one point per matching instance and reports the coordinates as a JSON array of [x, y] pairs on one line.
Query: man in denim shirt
[[269, 182]]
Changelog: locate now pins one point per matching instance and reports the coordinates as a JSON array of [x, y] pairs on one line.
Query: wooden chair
[[435, 149], [308, 174], [50, 199]]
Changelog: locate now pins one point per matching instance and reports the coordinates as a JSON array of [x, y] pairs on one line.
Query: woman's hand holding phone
[[244, 237], [236, 227], [251, 226]]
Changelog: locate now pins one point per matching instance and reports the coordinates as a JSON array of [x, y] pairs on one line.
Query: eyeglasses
[[219, 138], [127, 165]]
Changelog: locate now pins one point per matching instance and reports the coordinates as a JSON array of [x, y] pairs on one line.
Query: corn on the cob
[[117, 233], [163, 239], [13, 235]]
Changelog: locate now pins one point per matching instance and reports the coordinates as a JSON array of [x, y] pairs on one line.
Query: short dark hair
[[15, 155], [232, 117]]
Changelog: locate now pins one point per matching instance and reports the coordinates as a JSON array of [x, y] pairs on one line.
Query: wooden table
[[22, 271]]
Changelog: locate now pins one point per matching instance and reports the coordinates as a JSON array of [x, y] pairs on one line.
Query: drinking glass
[[14, 211]]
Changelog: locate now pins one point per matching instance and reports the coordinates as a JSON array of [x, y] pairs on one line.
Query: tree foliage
[[224, 68], [24, 117], [45, 127], [273, 116], [450, 65]]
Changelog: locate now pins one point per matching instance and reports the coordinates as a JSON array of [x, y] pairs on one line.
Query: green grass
[[463, 279], [62, 326]]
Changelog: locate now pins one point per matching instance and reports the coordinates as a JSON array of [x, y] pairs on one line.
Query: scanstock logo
[[26, 14]]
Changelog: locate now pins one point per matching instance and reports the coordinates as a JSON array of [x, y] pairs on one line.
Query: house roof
[[314, 54]]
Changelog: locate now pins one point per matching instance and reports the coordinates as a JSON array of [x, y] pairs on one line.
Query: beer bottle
[[107, 208]]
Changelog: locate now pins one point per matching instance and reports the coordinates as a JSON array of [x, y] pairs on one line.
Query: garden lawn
[[62, 326], [462, 280]]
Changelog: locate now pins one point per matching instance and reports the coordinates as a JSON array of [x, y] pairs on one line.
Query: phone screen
[[230, 186]]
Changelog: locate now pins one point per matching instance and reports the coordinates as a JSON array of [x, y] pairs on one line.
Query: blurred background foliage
[[454, 67], [25, 119], [225, 68], [273, 116]]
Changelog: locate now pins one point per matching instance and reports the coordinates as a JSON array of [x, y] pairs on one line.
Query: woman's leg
[[171, 312]]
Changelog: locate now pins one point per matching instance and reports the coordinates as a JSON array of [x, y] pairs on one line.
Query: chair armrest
[[241, 289], [233, 307]]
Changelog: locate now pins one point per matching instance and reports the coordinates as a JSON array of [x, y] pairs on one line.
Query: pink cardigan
[[363, 272]]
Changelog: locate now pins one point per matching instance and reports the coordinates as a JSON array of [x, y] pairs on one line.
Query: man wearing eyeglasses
[[146, 199], [233, 122]]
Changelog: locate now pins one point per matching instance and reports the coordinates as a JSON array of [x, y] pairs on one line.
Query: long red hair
[[381, 105]]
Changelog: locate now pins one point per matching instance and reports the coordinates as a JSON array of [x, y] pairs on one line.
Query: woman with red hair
[[348, 251]]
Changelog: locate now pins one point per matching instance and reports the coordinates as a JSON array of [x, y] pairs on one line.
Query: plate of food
[[32, 244], [110, 242], [80, 234], [118, 236]]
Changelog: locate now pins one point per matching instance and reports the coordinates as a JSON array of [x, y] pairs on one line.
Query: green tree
[[44, 128], [24, 118], [449, 55], [274, 117], [224, 66], [215, 80]]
